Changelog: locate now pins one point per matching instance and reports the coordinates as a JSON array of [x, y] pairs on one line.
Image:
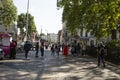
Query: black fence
[[113, 54]]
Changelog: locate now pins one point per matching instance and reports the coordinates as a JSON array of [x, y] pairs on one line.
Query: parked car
[[1, 54]]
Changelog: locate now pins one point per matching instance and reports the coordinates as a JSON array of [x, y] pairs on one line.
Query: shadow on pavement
[[55, 68]]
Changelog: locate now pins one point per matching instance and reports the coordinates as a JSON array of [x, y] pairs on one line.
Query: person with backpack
[[101, 54], [27, 48]]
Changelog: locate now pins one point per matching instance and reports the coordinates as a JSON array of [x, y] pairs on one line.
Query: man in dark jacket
[[37, 49], [42, 49], [27, 48]]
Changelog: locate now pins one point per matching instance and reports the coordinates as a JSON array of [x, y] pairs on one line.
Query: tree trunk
[[113, 34]]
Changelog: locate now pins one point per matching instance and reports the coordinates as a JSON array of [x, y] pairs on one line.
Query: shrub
[[113, 44]]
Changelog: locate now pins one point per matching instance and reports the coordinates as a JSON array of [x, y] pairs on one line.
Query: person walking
[[42, 49], [62, 46], [57, 49], [37, 49], [27, 48], [84, 49], [65, 50], [101, 54], [52, 50], [15, 45], [78, 48]]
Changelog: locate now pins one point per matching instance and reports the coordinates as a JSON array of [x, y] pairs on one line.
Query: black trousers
[[36, 53], [12, 54], [26, 53], [101, 59], [42, 52]]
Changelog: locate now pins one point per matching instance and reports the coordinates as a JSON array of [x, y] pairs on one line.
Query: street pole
[[47, 34], [27, 21]]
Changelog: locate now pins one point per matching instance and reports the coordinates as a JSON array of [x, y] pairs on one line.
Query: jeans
[[36, 53]]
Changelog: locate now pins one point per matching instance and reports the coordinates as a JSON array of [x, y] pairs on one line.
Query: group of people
[[27, 48], [55, 48], [75, 49]]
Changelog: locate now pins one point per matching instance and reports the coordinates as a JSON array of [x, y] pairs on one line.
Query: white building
[[13, 31], [82, 36], [85, 37], [53, 37]]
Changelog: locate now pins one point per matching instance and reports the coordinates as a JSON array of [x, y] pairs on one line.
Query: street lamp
[[47, 34]]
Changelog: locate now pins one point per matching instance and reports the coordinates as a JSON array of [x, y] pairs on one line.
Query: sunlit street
[[56, 68], [59, 39]]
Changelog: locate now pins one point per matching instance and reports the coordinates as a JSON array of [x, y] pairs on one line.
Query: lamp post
[[47, 34], [27, 21]]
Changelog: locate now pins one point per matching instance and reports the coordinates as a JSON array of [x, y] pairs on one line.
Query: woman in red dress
[[65, 50]]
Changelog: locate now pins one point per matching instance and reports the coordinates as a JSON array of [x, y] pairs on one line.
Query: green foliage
[[42, 34], [31, 24], [50, 40], [22, 23], [113, 44], [9, 13], [100, 16]]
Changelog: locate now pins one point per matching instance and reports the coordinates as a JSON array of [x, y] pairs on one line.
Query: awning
[[5, 35]]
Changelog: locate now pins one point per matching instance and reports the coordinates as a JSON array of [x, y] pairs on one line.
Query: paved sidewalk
[[56, 68]]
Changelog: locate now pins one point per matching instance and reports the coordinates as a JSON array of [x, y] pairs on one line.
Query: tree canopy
[[99, 16], [22, 19], [9, 13]]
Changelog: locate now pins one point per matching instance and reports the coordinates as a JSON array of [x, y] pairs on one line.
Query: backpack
[[102, 50]]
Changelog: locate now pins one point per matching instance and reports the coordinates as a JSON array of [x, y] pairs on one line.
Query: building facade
[[52, 37]]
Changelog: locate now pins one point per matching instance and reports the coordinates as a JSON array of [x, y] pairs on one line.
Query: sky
[[45, 13]]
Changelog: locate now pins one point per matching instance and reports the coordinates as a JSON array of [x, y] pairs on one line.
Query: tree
[[22, 18], [9, 13], [21, 23], [100, 16], [42, 34]]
